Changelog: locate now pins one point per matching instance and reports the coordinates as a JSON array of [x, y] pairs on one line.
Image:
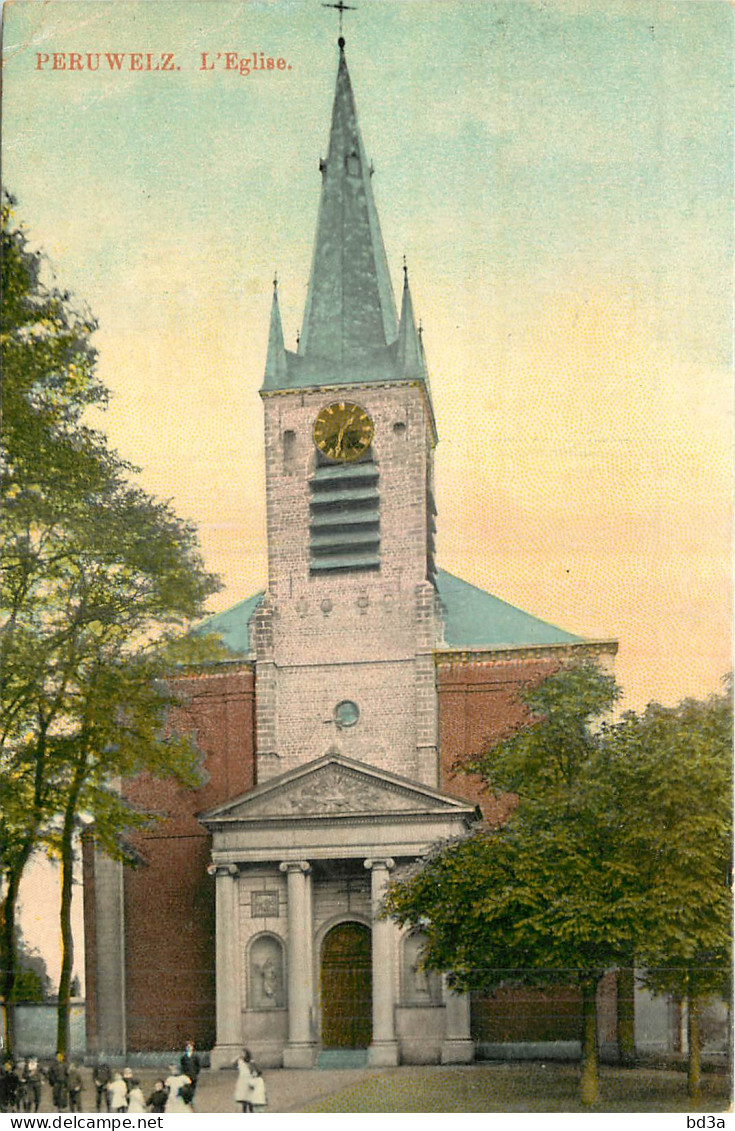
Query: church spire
[[409, 350], [350, 310], [276, 372]]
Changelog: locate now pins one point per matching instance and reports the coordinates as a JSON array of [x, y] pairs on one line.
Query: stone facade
[[319, 631]]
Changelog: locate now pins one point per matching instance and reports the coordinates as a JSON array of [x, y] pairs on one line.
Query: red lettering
[[93, 62], [167, 62], [59, 62], [281, 64], [136, 61], [206, 65], [149, 66], [75, 62], [271, 64], [41, 60], [230, 60]]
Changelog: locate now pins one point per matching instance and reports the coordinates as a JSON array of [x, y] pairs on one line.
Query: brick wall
[[479, 702], [169, 944]]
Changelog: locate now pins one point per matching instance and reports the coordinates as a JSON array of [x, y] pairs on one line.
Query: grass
[[521, 1087]]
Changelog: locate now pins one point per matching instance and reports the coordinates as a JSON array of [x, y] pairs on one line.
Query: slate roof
[[350, 331], [474, 620]]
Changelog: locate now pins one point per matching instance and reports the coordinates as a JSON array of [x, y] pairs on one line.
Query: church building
[[354, 682]]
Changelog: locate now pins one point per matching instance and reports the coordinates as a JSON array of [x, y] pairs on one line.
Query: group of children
[[121, 1091], [21, 1082]]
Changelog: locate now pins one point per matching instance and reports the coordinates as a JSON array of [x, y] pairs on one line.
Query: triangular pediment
[[334, 787]]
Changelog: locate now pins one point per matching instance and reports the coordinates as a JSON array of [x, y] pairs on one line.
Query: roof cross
[[341, 8]]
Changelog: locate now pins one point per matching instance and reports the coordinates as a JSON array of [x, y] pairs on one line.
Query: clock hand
[[348, 420]]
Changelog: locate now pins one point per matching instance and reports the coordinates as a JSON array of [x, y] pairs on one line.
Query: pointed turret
[[350, 310], [276, 369], [409, 353]]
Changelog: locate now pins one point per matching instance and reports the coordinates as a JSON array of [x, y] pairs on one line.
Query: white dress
[[136, 1101], [174, 1103], [244, 1081]]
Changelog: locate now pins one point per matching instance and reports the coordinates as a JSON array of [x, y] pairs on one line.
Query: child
[[74, 1085], [136, 1099], [157, 1098], [257, 1090], [118, 1093]]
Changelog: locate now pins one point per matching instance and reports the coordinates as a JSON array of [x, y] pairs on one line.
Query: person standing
[[258, 1099], [118, 1093], [102, 1075], [74, 1087], [157, 1098], [243, 1085], [57, 1080], [8, 1086], [175, 1081], [136, 1099], [191, 1065], [33, 1078]]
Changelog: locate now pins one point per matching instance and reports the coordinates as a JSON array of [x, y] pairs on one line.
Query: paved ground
[[474, 1088]]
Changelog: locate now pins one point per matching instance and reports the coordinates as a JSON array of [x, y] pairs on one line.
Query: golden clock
[[343, 431]]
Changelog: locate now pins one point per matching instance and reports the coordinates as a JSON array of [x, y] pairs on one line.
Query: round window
[[346, 713]]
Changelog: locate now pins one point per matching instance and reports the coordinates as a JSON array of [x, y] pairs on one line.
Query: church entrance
[[346, 987]]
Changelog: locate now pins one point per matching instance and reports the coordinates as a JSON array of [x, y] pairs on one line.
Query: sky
[[558, 174]]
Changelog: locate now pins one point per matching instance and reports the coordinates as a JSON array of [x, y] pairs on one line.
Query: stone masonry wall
[[348, 635]]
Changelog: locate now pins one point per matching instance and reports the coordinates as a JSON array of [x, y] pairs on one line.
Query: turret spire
[[350, 311], [276, 371], [409, 355]]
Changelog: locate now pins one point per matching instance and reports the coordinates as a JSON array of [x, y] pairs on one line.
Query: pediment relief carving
[[331, 791]]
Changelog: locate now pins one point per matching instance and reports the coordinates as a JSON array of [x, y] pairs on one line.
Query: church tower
[[345, 636], [322, 729]]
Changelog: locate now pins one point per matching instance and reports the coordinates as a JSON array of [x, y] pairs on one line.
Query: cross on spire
[[341, 8]]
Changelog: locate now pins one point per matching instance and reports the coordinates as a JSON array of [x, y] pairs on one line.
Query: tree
[[98, 582], [547, 898], [674, 765], [32, 982]]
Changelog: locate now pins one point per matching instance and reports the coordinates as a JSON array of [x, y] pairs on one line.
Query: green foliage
[[617, 852], [98, 582], [674, 767]]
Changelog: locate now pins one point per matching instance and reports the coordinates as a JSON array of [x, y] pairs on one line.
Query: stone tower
[[345, 636]]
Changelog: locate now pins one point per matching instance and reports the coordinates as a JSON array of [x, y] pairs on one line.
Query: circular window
[[346, 713]]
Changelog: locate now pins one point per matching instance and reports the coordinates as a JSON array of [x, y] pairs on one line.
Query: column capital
[[295, 866], [386, 862], [223, 870]]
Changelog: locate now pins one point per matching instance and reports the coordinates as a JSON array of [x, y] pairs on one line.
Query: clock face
[[343, 431]]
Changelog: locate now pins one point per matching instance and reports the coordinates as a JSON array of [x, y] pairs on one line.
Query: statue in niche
[[266, 974], [421, 986], [420, 981], [269, 975]]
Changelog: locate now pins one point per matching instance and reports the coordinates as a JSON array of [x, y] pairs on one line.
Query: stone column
[[229, 997], [299, 1052], [457, 1046], [384, 1046]]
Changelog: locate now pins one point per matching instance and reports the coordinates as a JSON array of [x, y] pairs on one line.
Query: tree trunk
[[694, 1040], [589, 1083], [67, 935], [8, 954], [8, 960], [626, 1014]]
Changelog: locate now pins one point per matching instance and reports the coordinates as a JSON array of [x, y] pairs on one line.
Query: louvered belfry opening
[[344, 524]]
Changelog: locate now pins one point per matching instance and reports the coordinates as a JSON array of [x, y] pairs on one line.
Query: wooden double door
[[346, 987]]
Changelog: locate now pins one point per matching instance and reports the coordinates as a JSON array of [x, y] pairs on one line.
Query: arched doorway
[[346, 987]]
